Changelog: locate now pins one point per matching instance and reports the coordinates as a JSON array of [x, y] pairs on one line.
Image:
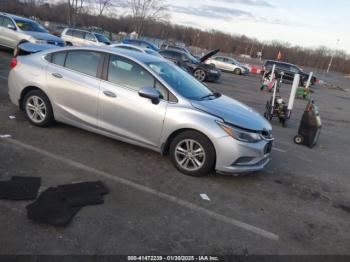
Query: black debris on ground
[[58, 205], [20, 188]]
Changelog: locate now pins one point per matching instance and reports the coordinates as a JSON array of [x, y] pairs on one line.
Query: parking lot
[[300, 204]]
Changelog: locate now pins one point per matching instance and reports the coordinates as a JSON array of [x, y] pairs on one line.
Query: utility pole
[[332, 57]]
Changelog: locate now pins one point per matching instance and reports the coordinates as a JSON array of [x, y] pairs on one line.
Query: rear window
[[85, 62], [58, 58]]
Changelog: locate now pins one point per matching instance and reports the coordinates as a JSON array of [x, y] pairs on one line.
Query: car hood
[[44, 36], [233, 112], [208, 55]]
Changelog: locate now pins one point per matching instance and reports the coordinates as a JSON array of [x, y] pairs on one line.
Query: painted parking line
[[279, 150], [148, 190]]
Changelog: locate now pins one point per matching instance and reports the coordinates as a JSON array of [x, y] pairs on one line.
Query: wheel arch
[[166, 145], [25, 91]]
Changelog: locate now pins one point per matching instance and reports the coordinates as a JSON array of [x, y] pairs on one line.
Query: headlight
[[38, 41], [240, 134]]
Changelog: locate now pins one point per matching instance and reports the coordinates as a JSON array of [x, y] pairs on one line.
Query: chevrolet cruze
[[143, 100]]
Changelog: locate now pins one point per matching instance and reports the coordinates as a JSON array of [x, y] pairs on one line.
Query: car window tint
[[69, 32], [89, 37], [58, 58], [1, 20], [79, 34], [164, 94], [85, 62], [126, 73], [6, 22]]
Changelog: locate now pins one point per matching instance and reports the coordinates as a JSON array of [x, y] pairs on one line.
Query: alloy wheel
[[190, 155], [36, 109], [200, 75]]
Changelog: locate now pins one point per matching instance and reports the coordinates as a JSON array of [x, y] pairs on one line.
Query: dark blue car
[[141, 43]]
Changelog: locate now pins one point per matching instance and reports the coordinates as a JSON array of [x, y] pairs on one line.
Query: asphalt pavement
[[300, 204]]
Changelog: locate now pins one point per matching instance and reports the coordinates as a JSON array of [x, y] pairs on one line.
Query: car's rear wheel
[[200, 74], [192, 153], [237, 71], [38, 109]]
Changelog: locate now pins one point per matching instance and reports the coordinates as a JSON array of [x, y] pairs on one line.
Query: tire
[[200, 74], [237, 71], [298, 140], [38, 109], [182, 150]]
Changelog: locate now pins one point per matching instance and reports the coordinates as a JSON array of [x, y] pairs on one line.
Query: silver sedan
[[143, 100]]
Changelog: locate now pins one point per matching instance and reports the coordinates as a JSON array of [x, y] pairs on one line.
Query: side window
[[58, 58], [164, 94], [1, 20], [69, 32], [7, 22], [126, 73], [79, 34], [90, 37], [85, 62], [218, 59]]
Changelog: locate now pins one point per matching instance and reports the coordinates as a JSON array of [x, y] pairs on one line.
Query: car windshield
[[192, 58], [185, 84], [30, 26], [102, 38]]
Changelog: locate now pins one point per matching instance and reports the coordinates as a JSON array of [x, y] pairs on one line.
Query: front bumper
[[233, 156], [213, 77]]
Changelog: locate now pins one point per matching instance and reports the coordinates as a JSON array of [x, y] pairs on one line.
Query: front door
[[122, 111]]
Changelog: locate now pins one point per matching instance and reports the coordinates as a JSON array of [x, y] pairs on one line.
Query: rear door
[[74, 86], [7, 36], [122, 111]]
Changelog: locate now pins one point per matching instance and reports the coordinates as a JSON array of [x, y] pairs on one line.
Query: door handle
[[109, 93], [57, 75]]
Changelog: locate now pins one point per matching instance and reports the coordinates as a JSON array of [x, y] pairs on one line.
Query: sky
[[308, 23]]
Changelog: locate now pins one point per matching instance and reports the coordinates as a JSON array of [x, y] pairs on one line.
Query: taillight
[[13, 62]]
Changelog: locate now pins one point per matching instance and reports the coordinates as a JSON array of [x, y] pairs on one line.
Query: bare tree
[[74, 8], [102, 5], [146, 10]]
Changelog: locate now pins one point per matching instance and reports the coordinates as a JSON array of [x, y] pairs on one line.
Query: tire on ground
[[49, 117], [208, 147]]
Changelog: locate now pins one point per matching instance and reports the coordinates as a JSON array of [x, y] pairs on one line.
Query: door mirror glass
[[150, 93]]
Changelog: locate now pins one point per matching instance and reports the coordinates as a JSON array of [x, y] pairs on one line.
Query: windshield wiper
[[210, 95]]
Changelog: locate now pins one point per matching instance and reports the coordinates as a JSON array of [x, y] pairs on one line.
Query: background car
[[79, 37], [288, 70], [228, 64], [197, 67], [137, 49], [140, 43], [143, 100], [15, 30]]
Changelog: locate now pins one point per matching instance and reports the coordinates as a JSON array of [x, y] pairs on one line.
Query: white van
[[79, 37]]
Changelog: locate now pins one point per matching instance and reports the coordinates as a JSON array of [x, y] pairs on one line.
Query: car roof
[[17, 17], [142, 57], [278, 62]]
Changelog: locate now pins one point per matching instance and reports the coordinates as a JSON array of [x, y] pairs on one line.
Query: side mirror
[[12, 27], [150, 93]]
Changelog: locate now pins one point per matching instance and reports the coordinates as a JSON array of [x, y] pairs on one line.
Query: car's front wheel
[[192, 153], [237, 71], [200, 74], [37, 108]]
